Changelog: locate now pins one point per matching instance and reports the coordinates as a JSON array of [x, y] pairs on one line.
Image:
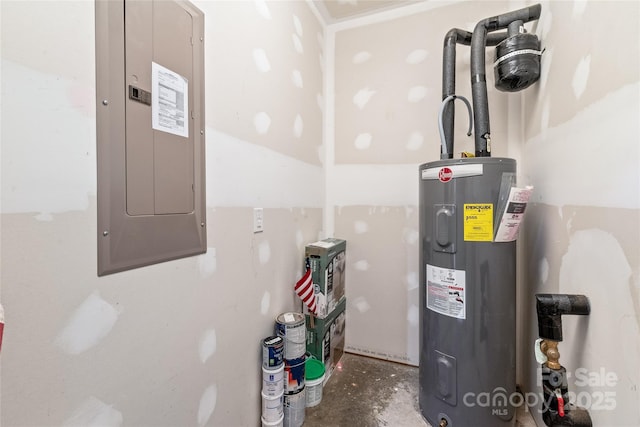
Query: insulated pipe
[[551, 308], [454, 36], [478, 77]]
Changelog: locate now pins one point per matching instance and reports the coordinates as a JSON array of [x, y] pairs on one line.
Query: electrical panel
[[150, 132]]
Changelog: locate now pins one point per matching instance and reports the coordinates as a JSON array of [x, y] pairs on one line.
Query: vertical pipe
[[453, 37], [482, 133], [478, 77], [449, 83]]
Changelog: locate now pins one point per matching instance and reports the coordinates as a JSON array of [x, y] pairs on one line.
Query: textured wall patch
[[361, 57], [264, 252], [207, 404], [361, 265], [415, 141], [262, 122], [88, 325], [581, 76], [265, 303], [208, 263], [298, 126], [261, 60], [360, 227], [263, 9], [296, 79], [208, 345], [94, 413], [417, 56], [363, 141], [362, 97]]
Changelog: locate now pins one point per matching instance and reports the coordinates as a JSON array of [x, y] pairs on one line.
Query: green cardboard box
[[325, 338], [327, 259]]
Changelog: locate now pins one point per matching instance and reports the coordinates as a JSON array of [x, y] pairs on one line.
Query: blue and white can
[[272, 352], [273, 381]]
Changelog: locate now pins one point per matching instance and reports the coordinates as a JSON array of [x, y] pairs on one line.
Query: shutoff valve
[[557, 411]]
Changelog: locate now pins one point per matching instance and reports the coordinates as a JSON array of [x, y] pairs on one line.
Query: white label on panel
[[446, 291], [169, 101]]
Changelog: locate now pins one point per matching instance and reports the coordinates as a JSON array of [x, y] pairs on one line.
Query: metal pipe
[[478, 77], [445, 152]]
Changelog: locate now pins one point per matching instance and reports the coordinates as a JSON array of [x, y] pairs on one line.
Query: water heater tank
[[467, 295]]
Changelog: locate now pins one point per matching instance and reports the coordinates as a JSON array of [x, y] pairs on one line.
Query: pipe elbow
[[455, 36], [450, 39], [525, 14], [535, 11]]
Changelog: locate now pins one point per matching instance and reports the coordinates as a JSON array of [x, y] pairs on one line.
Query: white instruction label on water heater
[[513, 214], [446, 291]]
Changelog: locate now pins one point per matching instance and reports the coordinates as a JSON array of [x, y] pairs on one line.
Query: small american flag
[[304, 289], [1, 324]]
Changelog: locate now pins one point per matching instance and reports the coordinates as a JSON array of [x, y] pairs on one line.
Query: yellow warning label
[[478, 222]]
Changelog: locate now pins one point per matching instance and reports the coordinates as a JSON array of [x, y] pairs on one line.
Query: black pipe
[[551, 307], [454, 36], [557, 410], [478, 77], [557, 413], [574, 417]]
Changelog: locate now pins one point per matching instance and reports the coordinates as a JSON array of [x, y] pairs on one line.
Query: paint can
[[278, 423], [273, 381], [314, 378], [272, 351], [272, 407], [294, 374], [294, 409], [290, 326]]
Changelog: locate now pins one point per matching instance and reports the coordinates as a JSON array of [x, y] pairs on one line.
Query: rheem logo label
[[445, 174]]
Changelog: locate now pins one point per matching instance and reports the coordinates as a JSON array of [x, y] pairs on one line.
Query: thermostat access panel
[[150, 102]]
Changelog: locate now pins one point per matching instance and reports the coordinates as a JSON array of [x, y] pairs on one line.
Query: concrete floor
[[368, 392]]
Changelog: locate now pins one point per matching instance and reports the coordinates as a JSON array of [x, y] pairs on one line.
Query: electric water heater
[[467, 294], [467, 276]]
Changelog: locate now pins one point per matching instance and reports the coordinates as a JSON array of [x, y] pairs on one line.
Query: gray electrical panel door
[[158, 43], [150, 123]]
